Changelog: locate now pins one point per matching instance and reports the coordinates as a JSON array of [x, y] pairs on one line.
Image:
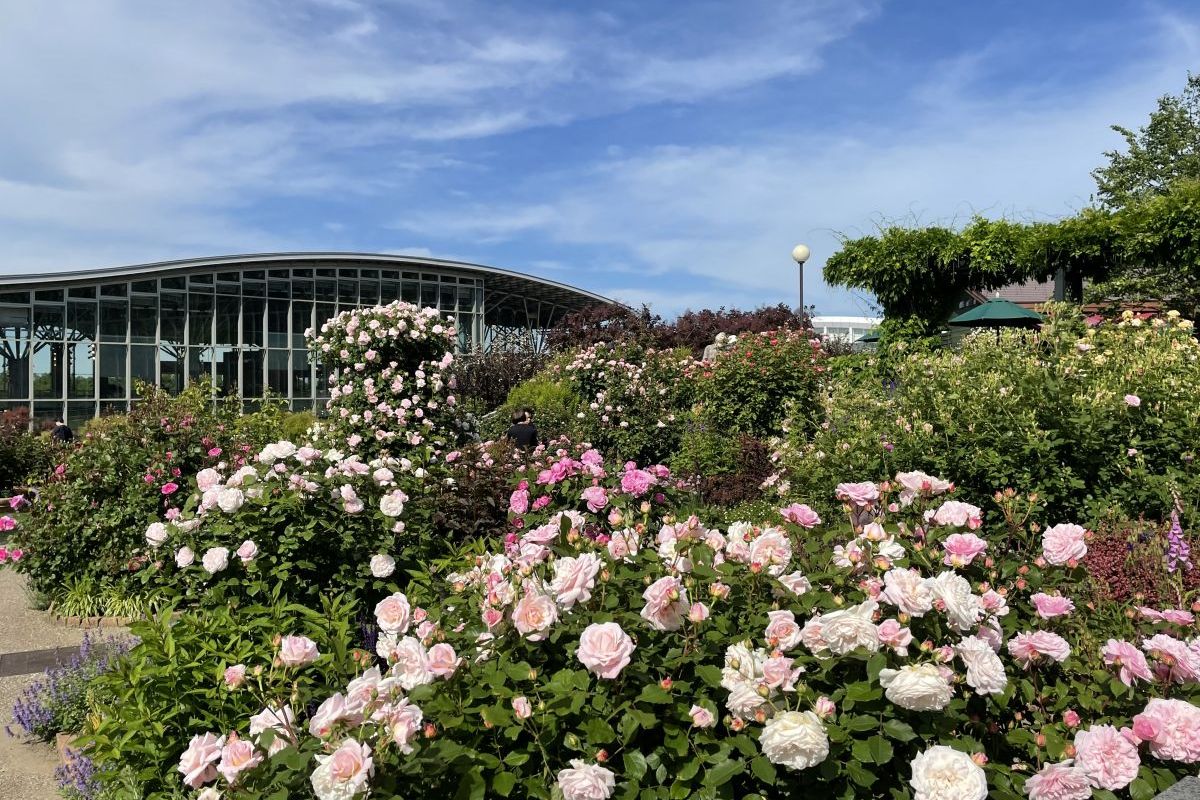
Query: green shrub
[[555, 405], [23, 455]]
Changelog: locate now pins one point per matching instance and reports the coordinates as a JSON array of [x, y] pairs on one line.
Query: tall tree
[[1158, 154]]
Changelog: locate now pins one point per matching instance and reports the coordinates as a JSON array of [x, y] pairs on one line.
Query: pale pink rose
[[184, 557], [666, 604], [1176, 616], [1129, 660], [1175, 662], [596, 498], [393, 614], [296, 651], [522, 708], [574, 579], [623, 544], [1171, 728], [207, 479], [697, 613], [443, 661], [959, 515], [1062, 781], [772, 550], [583, 781], [410, 663], [1108, 759], [802, 515], [796, 583], [914, 484], [858, 494], [824, 707], [198, 764], [778, 673], [605, 649], [782, 630], [492, 617], [1063, 543], [892, 634], [534, 614], [1050, 606], [280, 721], [542, 534], [907, 590], [962, 548], [247, 551], [1132, 400], [345, 773], [235, 676], [331, 711], [702, 717], [994, 603], [1028, 648], [237, 756], [1071, 718], [518, 501]]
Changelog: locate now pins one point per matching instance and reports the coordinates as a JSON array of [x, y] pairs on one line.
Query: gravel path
[[22, 628], [26, 768]]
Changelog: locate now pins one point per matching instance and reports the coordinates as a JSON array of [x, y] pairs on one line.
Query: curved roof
[[495, 279]]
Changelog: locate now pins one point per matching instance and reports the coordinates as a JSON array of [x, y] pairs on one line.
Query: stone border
[[92, 622]]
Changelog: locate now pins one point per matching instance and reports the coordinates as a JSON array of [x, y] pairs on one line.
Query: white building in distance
[[847, 329]]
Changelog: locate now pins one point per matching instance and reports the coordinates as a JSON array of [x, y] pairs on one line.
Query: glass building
[[73, 344]]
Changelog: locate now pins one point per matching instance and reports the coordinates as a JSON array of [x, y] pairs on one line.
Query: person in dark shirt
[[61, 433], [523, 433]]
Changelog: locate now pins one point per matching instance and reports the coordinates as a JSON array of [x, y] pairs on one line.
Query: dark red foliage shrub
[[744, 484], [1125, 562], [483, 380]]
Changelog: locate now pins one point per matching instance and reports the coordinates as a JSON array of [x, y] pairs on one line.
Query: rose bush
[[613, 648]]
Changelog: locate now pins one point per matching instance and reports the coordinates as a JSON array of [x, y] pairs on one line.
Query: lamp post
[[800, 254]]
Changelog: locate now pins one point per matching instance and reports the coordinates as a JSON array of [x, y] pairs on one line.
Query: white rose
[[156, 534], [392, 503], [412, 663], [583, 781], [851, 628], [943, 773], [963, 609], [382, 565], [917, 687], [907, 590], [230, 499], [795, 739], [985, 670], [215, 559]]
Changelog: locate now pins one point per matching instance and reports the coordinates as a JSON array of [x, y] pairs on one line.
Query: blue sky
[[660, 152]]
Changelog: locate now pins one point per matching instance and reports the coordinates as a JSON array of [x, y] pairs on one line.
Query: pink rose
[[518, 501], [170, 488], [1058, 782], [237, 756], [824, 707], [782, 630], [697, 613], [198, 764], [534, 614], [892, 634], [1071, 718], [247, 551], [858, 494], [959, 515], [584, 781], [1063, 543], [443, 661], [331, 711], [393, 614], [1050, 606], [1132, 400], [207, 479], [1129, 660], [778, 673], [623, 544], [702, 717], [574, 579], [637, 482], [1172, 729], [962, 548], [346, 772], [492, 617], [1109, 760], [296, 651], [800, 514], [280, 721], [1028, 648], [235, 676], [596, 497], [1175, 661], [521, 707], [666, 604], [605, 649]]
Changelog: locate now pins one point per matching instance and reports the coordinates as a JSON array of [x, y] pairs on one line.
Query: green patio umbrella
[[997, 313]]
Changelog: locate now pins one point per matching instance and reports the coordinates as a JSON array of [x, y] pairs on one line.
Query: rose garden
[[779, 572]]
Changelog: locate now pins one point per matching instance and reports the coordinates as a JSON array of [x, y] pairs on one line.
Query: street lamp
[[800, 254]]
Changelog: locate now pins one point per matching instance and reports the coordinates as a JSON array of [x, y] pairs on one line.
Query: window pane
[[326, 289], [81, 370], [82, 291], [45, 414], [199, 364], [173, 316], [410, 291], [141, 365], [173, 283], [429, 294], [49, 295], [81, 321], [301, 321], [200, 319], [171, 362], [449, 292], [112, 370], [302, 290], [14, 369], [145, 287], [227, 320], [325, 313], [226, 359], [48, 370], [277, 372], [254, 289], [14, 323], [389, 291], [252, 373], [79, 413], [48, 322], [252, 321], [143, 319], [277, 323], [301, 374], [279, 288], [114, 320], [369, 293], [466, 298], [347, 291], [114, 290]]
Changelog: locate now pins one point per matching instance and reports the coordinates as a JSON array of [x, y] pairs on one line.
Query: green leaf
[[635, 765], [899, 730], [503, 783], [722, 773], [710, 674], [859, 774], [763, 769]]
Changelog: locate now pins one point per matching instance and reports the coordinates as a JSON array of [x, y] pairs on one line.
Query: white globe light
[[800, 253]]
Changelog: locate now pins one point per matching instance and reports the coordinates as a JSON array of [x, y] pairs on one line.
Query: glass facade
[[77, 351]]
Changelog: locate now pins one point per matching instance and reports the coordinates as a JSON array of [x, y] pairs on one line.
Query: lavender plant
[[57, 702]]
